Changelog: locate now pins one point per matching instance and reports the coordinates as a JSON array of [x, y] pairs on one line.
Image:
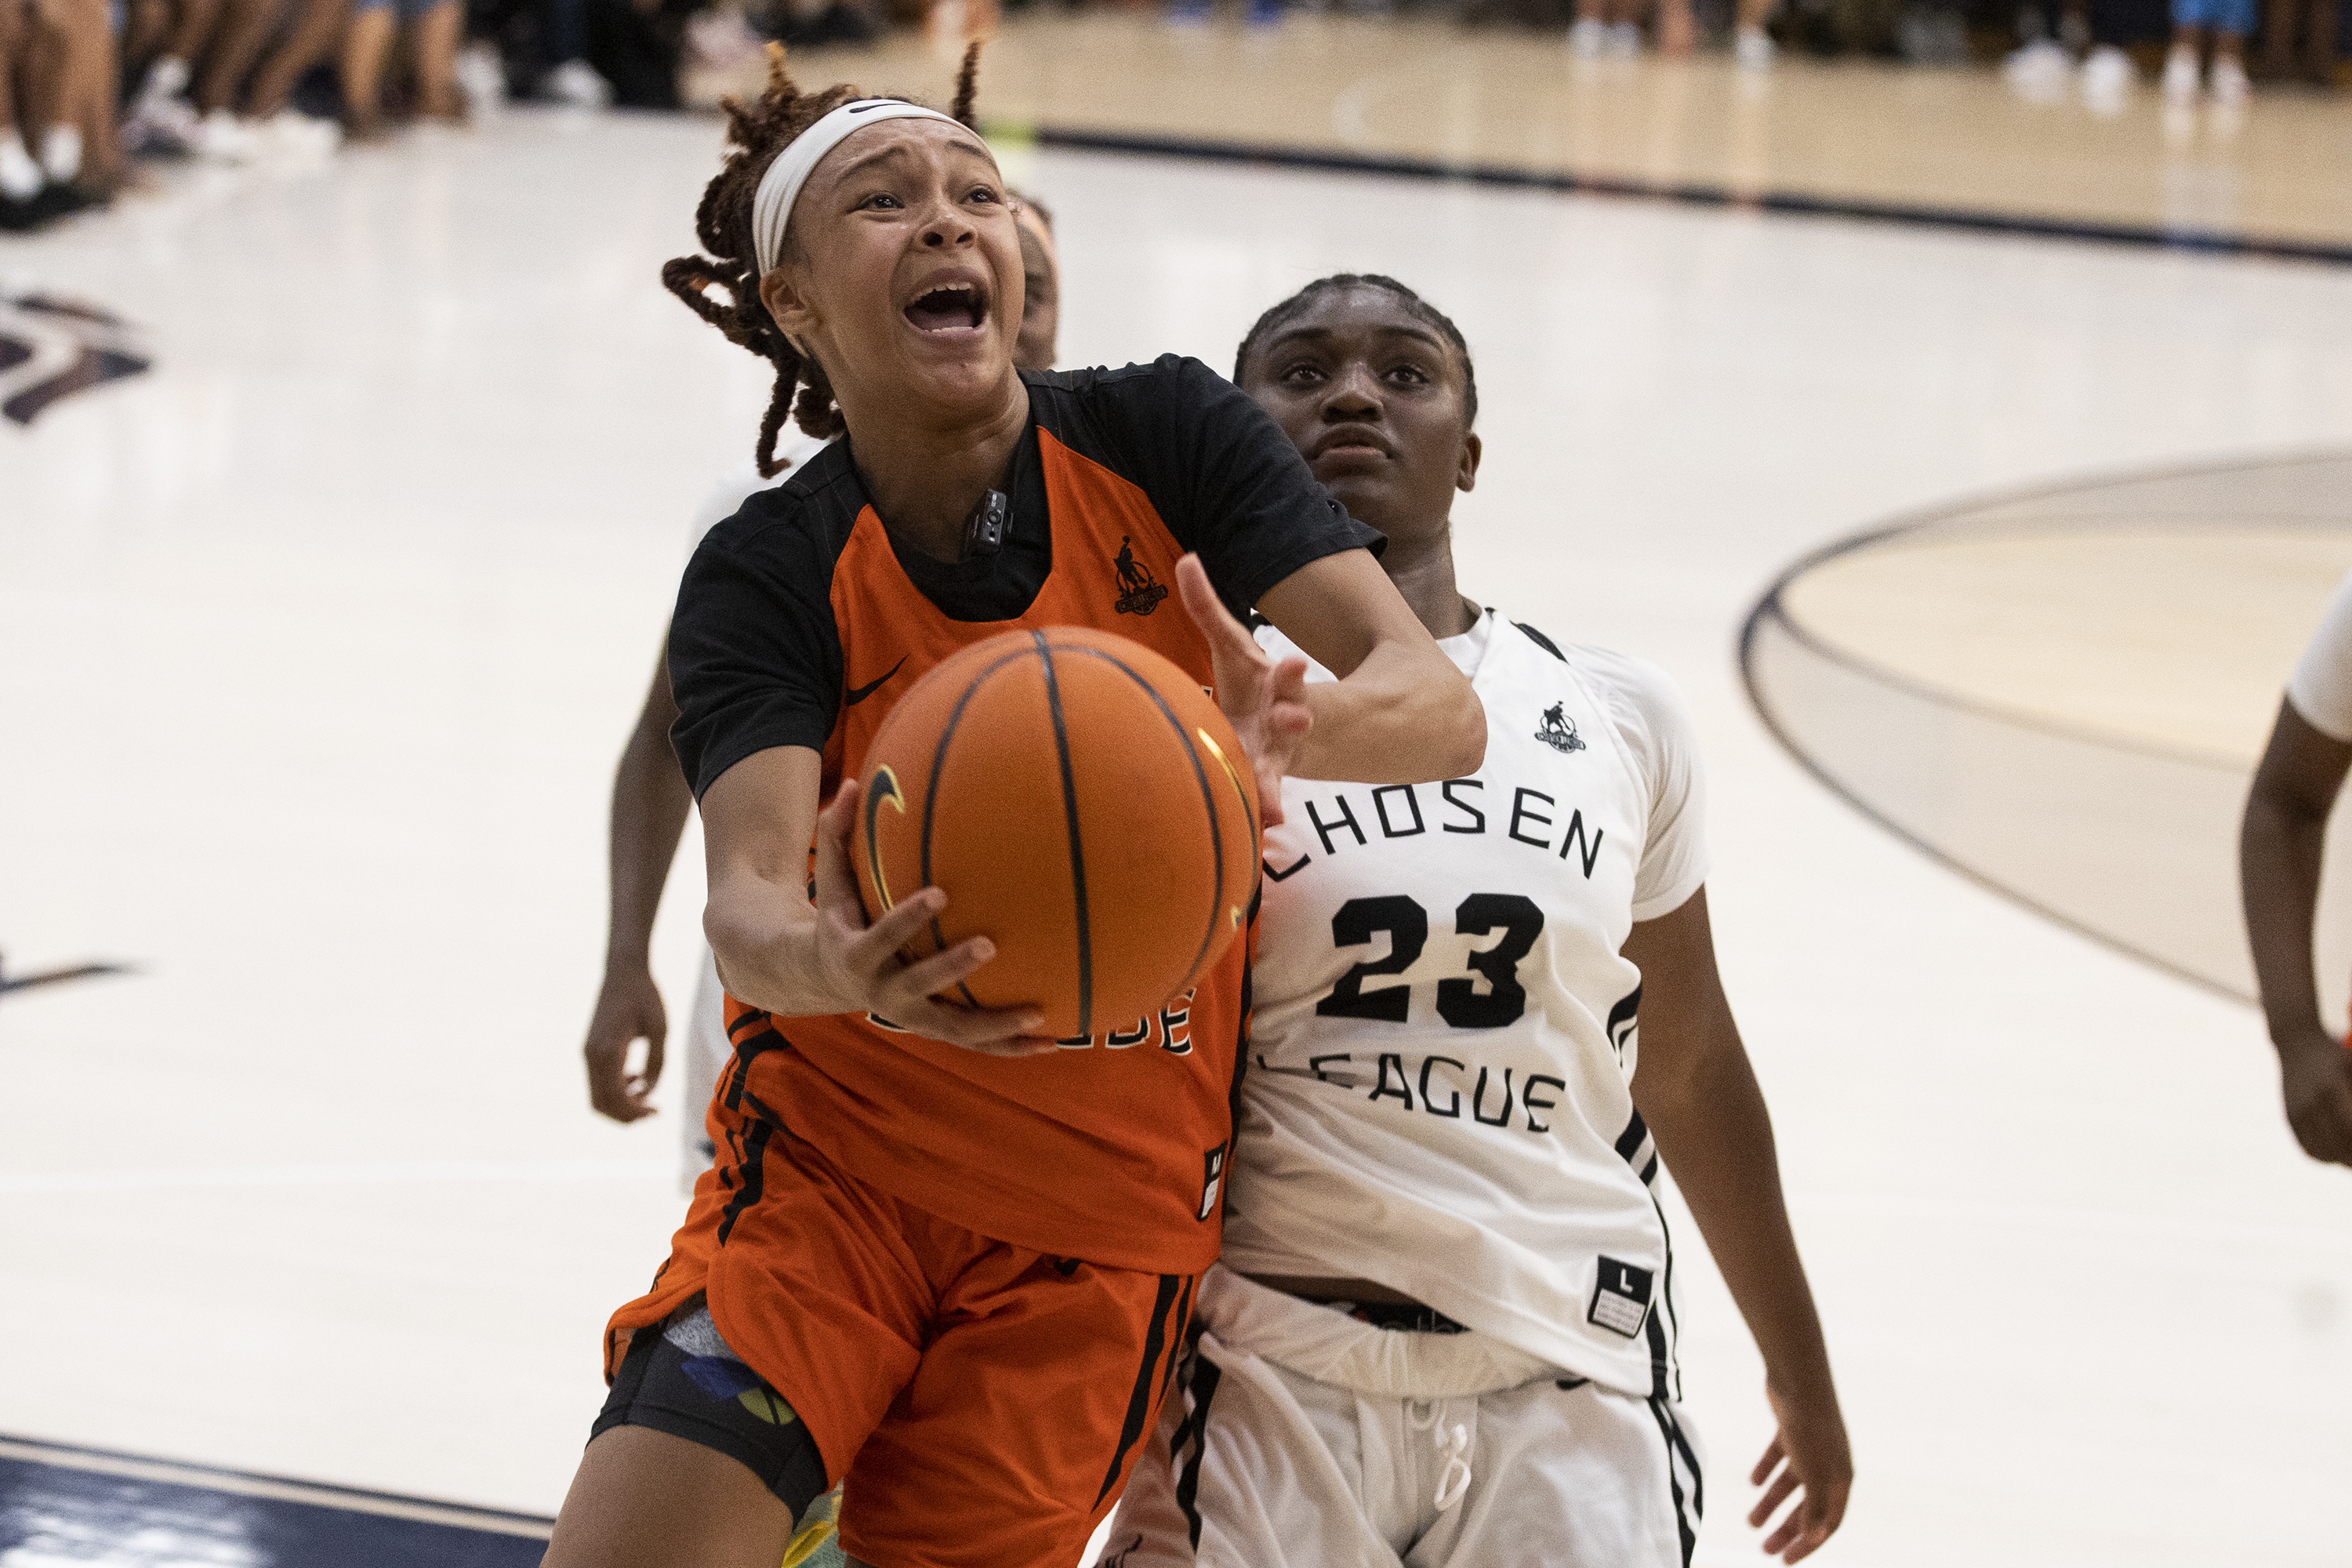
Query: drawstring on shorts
[[1453, 1443]]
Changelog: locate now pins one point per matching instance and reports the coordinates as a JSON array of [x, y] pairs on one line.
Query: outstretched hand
[[628, 1009], [1808, 1454], [859, 963], [2315, 1081], [1263, 698]]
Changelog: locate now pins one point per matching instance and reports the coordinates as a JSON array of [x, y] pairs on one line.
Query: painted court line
[[346, 1499], [1787, 204], [406, 1173]]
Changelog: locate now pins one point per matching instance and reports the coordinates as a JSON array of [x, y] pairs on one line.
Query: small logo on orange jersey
[[1140, 593]]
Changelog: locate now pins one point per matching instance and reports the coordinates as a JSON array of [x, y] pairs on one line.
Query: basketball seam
[[1078, 838], [1208, 799], [931, 790]]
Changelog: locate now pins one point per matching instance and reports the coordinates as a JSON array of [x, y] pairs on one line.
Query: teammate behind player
[[937, 1255], [650, 800], [1444, 1330], [2279, 852]]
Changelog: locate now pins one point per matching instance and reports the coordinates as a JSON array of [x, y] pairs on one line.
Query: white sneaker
[[20, 177], [61, 154], [2228, 82], [2181, 75], [576, 82], [2039, 71], [1624, 41], [223, 138], [166, 125], [1588, 37], [482, 77], [291, 133], [2107, 79], [167, 78], [1753, 49]]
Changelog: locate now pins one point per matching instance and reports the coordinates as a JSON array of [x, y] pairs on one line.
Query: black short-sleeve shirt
[[760, 655]]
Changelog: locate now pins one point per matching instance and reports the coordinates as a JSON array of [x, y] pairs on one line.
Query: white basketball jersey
[[1445, 1030]]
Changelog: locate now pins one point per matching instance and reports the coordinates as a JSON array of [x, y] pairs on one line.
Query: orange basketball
[[1083, 804]]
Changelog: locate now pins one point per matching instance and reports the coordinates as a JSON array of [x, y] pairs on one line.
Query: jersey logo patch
[[1621, 1298], [1140, 592], [1213, 1180], [1559, 729], [857, 694]]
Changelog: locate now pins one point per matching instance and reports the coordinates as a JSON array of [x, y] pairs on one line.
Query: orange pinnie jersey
[[801, 621]]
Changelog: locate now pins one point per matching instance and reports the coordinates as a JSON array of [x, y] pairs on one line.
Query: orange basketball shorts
[[982, 1404]]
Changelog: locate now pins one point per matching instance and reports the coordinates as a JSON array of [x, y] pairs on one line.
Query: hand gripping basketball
[[861, 962], [1263, 698]]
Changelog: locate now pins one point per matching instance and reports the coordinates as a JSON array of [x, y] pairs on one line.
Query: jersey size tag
[[1621, 1298], [1213, 1180]]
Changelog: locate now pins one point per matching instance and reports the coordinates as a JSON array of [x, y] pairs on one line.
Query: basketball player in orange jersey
[[943, 1261], [1444, 1331], [650, 801]]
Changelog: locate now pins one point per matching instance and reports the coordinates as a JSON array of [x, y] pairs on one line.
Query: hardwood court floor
[[2065, 693], [318, 640], [1882, 134]]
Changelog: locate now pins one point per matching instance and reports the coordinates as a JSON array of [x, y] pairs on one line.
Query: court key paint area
[[331, 623]]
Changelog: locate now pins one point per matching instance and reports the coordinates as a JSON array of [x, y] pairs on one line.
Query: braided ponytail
[[968, 86]]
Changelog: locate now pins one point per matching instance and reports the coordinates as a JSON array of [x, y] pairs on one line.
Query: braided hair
[[757, 132], [1415, 305]]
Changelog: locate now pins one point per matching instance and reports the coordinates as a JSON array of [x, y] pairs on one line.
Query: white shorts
[[707, 1051], [1301, 1436]]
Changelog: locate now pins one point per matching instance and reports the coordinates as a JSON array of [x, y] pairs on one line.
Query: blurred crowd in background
[[87, 87]]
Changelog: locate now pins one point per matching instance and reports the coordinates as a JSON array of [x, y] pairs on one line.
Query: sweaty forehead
[[890, 143]]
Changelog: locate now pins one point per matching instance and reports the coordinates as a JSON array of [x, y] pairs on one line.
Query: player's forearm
[[1402, 715], [1716, 1136], [2279, 853], [650, 802], [763, 934]]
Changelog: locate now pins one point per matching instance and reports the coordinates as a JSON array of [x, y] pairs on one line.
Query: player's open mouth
[[953, 307]]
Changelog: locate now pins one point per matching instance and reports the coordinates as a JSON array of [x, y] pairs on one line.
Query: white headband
[[780, 188]]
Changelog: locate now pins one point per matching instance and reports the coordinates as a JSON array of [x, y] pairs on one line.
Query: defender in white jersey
[[2280, 847], [1445, 1326]]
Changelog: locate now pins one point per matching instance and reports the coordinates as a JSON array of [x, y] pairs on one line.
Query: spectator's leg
[[20, 176], [191, 29], [2228, 22], [2319, 42], [2281, 34], [244, 33], [1590, 31], [98, 77], [318, 28], [570, 78], [144, 24], [72, 96], [2183, 65], [1750, 43], [1678, 28], [439, 32], [2227, 78], [367, 43], [563, 29]]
